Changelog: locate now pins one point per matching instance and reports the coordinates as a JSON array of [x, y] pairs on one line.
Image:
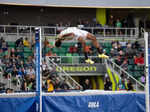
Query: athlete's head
[[58, 43]]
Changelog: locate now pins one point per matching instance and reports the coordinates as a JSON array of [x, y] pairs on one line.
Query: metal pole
[[38, 70], [146, 72]]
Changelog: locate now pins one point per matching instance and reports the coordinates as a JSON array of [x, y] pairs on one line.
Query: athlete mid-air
[[73, 33]]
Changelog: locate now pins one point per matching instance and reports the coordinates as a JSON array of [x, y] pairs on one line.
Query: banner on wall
[[19, 104], [95, 103], [97, 68]]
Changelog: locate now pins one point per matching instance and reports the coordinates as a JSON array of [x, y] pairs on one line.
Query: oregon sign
[[82, 68]]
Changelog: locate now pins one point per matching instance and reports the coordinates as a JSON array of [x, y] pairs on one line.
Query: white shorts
[[77, 32]]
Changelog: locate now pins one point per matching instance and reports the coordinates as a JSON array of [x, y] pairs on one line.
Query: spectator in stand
[[119, 60], [23, 84], [137, 45], [64, 86], [122, 85], [47, 44], [13, 52], [31, 85], [1, 41], [129, 51], [26, 42], [112, 53], [107, 84], [139, 60], [57, 84], [50, 85], [72, 49], [13, 59], [118, 25], [124, 65], [88, 49], [8, 90], [19, 41], [50, 53], [31, 73], [22, 72], [21, 46], [31, 61], [142, 79], [19, 53], [119, 47], [14, 72], [86, 23], [129, 85], [111, 21], [4, 46], [86, 85], [21, 64]]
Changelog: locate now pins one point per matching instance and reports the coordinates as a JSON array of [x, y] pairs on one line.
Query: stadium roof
[[81, 3]]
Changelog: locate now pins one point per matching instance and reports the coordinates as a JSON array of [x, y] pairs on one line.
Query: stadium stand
[[24, 49], [24, 70]]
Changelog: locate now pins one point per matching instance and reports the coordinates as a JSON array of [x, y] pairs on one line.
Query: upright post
[[38, 70], [147, 70]]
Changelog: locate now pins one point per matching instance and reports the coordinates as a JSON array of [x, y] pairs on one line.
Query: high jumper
[[73, 33]]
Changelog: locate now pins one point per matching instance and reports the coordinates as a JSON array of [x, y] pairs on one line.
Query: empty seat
[[27, 50], [11, 44]]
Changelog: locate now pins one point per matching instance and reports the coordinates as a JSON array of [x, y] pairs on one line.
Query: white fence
[[53, 31]]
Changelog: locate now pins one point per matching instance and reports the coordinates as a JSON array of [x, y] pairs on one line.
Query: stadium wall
[[75, 102], [44, 16]]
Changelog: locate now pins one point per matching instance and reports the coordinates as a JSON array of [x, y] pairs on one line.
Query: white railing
[[53, 31], [119, 70], [75, 59], [68, 79]]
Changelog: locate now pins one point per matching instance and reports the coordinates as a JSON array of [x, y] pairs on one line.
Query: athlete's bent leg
[[87, 60], [95, 42], [97, 45]]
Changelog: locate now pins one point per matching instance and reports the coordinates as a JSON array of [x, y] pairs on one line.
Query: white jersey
[[77, 32]]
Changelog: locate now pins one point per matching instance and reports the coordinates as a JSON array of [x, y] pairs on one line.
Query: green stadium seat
[[131, 61], [64, 59], [26, 55], [131, 73], [55, 50], [11, 44], [107, 45], [107, 50], [27, 50], [130, 67], [1, 54], [62, 54], [137, 68], [5, 53], [68, 44], [63, 50], [137, 74], [47, 49], [75, 54], [52, 43], [69, 58]]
